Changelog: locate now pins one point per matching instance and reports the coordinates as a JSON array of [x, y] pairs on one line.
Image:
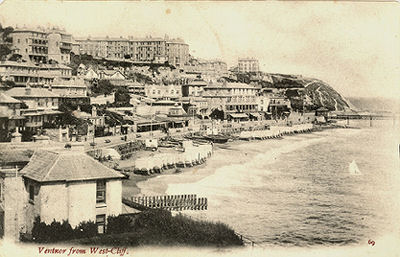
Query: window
[[31, 193], [101, 223], [101, 191]]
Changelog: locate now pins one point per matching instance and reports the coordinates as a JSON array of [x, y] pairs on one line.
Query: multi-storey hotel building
[[177, 52], [149, 49], [104, 47], [232, 97], [41, 45], [144, 50], [248, 65]]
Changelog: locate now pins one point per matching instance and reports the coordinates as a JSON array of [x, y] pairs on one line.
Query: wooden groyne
[[275, 132], [167, 202]]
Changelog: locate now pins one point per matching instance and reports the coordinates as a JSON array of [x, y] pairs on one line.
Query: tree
[[5, 34], [217, 114], [15, 57], [4, 51], [7, 84], [103, 87], [122, 97]]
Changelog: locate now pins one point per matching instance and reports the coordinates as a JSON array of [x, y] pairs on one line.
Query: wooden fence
[[169, 202]]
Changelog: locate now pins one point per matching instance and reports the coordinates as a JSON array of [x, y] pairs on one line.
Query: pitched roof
[[55, 66], [238, 115], [111, 72], [197, 83], [18, 64], [34, 92], [67, 165], [231, 85], [11, 156], [6, 99]]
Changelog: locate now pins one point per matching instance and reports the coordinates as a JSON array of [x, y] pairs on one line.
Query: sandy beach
[[140, 184], [131, 187]]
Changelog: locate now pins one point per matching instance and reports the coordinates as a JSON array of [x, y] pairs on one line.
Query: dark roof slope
[[68, 165]]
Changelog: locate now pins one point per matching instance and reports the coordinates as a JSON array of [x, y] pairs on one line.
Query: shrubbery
[[150, 227], [118, 224], [159, 227], [56, 231]]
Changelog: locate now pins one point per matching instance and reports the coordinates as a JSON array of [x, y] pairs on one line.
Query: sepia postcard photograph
[[199, 128]]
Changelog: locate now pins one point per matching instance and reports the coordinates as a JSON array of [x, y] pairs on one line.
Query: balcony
[[23, 73], [37, 44], [66, 46], [44, 54]]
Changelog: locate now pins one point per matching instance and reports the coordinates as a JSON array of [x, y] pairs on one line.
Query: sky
[[354, 47]]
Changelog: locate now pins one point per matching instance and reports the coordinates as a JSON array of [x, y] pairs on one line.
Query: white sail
[[353, 168]]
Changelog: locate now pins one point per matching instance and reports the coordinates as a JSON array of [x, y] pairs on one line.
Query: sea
[[301, 190]]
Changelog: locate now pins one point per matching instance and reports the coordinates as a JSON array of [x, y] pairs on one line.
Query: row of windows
[[241, 99], [166, 92], [47, 102], [38, 41], [241, 107], [39, 50]]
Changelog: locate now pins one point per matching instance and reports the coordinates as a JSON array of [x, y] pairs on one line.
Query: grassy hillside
[[316, 91], [324, 95]]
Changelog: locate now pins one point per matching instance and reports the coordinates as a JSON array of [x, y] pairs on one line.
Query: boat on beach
[[220, 139]]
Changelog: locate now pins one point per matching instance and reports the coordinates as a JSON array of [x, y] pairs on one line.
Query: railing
[[246, 240]]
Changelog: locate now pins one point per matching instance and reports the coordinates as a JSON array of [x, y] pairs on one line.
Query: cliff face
[[322, 94], [316, 92]]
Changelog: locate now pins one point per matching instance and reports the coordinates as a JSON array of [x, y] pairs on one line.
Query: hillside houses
[[10, 115], [35, 74], [42, 105]]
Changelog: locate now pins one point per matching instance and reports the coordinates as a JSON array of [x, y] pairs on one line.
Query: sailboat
[[353, 168]]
